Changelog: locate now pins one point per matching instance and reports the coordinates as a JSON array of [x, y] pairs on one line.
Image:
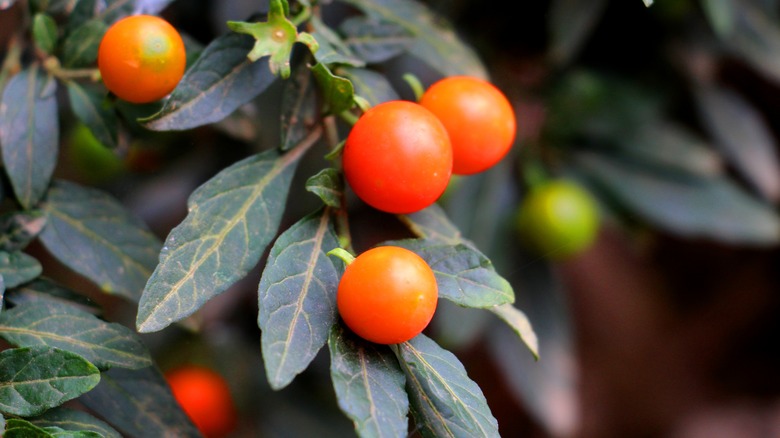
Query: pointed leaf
[[44, 289], [80, 48], [68, 328], [743, 136], [570, 24], [328, 185], [19, 228], [91, 106], [232, 218], [221, 80], [520, 324], [18, 268], [299, 107], [369, 385], [44, 31], [35, 379], [74, 420], [370, 85], [463, 274], [375, 41], [29, 133], [139, 403], [93, 234], [444, 400], [297, 298], [435, 43]]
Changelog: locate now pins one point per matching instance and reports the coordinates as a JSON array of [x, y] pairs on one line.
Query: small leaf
[[29, 133], [221, 80], [520, 324], [299, 107], [463, 274], [44, 289], [18, 268], [19, 228], [444, 400], [328, 185], [74, 420], [375, 41], [80, 48], [297, 298], [44, 31], [435, 43], [232, 218], [66, 327], [139, 403], [92, 107], [35, 379], [743, 136], [370, 85], [337, 91], [369, 385], [93, 234], [570, 24]]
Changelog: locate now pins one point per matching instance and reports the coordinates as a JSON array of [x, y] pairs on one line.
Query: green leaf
[[221, 80], [68, 328], [369, 385], [18, 428], [435, 43], [297, 298], [80, 48], [29, 133], [744, 137], [113, 10], [374, 41], [232, 218], [17, 268], [687, 205], [92, 107], [433, 225], [44, 31], [520, 324], [756, 39], [299, 107], [139, 403], [464, 275], [75, 420], [44, 289], [720, 14], [570, 24], [444, 400], [337, 91], [332, 49], [370, 85], [328, 185], [82, 12], [93, 234], [19, 228], [35, 379]]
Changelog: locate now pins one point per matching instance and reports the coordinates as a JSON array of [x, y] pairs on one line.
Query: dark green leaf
[[299, 107], [19, 228], [337, 91], [332, 50], [297, 297], [45, 289], [73, 420], [435, 43], [221, 80], [35, 379], [93, 234], [112, 10], [80, 48], [374, 41], [83, 11], [433, 224], [369, 385], [18, 428], [92, 107], [139, 403], [743, 136], [44, 32], [520, 324], [570, 24], [68, 328], [17, 268], [29, 133], [444, 400], [691, 206], [370, 85], [328, 185], [232, 218], [463, 274]]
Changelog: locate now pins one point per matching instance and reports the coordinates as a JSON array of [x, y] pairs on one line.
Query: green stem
[[52, 65], [342, 218], [415, 84], [343, 254]]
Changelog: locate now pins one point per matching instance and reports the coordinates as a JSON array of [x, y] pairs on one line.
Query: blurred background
[[667, 326]]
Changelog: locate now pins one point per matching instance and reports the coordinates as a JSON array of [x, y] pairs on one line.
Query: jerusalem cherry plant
[[67, 368]]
